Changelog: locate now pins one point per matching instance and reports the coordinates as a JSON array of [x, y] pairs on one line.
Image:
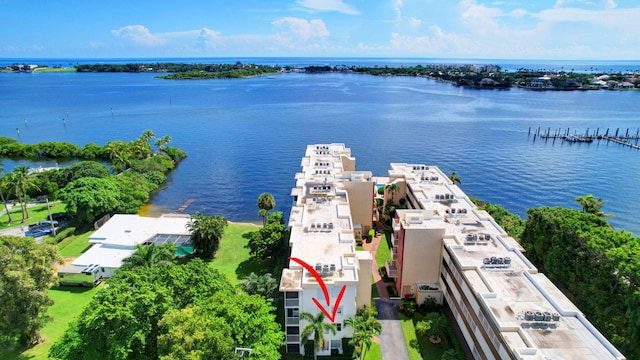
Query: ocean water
[[247, 136]]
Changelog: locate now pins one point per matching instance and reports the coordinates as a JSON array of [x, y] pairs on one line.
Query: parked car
[[38, 233]]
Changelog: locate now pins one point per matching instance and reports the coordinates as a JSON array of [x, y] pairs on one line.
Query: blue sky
[[521, 29]]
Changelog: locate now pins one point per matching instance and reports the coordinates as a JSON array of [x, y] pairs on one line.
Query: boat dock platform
[[184, 206], [626, 139]]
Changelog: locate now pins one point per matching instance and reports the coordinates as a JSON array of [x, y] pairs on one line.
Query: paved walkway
[[392, 344], [372, 247]]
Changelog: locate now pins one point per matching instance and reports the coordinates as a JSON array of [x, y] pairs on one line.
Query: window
[[339, 327], [339, 310]]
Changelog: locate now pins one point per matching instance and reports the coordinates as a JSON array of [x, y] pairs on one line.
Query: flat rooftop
[[322, 232], [506, 284]]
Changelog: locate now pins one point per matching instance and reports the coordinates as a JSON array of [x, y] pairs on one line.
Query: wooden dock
[[184, 206], [565, 135]]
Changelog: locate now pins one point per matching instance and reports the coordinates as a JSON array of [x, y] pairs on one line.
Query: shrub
[[392, 291]]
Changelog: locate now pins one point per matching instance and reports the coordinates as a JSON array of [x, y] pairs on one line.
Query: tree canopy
[[269, 241], [206, 232], [26, 272], [266, 202], [169, 312]]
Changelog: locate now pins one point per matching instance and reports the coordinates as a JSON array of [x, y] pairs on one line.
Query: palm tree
[[120, 153], [266, 202], [454, 178], [3, 187], [393, 189], [265, 285], [161, 142], [438, 326], [21, 181], [365, 327], [147, 136], [317, 327], [451, 354], [422, 328], [150, 256], [591, 205]]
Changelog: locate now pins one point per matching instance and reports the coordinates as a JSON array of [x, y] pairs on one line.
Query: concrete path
[[392, 344], [372, 247]]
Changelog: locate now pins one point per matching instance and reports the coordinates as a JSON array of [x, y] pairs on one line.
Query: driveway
[[392, 343]]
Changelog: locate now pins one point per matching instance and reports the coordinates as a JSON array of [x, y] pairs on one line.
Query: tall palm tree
[[438, 326], [393, 189], [3, 188], [162, 142], [591, 205], [150, 256], [266, 202], [365, 327], [120, 153], [317, 328], [21, 181], [454, 178]]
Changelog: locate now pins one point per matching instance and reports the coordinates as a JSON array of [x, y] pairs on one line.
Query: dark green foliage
[[206, 232], [263, 285], [155, 177], [595, 265], [509, 222], [91, 197], [26, 272], [270, 240], [174, 153], [171, 312]]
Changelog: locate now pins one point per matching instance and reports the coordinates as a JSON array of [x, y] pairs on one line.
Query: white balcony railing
[[293, 339], [292, 321], [392, 268], [292, 302], [396, 224]]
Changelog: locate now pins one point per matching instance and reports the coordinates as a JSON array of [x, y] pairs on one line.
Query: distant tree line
[[89, 187], [595, 265], [186, 71]]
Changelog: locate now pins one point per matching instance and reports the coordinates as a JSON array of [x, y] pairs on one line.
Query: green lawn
[[49, 70], [374, 352], [232, 258], [36, 213], [383, 253], [420, 348], [68, 303], [75, 245]]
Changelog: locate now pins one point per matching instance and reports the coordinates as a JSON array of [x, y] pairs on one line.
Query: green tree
[[591, 205], [264, 285], [316, 327], [91, 197], [150, 256], [452, 354], [121, 155], [190, 333], [269, 241], [206, 232], [266, 202], [162, 142], [122, 320], [454, 178], [365, 326], [3, 188], [438, 325], [26, 272], [22, 181], [392, 189], [422, 328]]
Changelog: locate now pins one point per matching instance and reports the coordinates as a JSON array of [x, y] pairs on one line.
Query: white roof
[[130, 230], [105, 256]]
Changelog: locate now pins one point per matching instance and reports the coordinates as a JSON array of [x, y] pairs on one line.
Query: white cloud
[[415, 22], [328, 5], [302, 28], [138, 34], [518, 13]]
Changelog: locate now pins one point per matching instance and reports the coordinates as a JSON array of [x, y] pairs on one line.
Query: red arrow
[[318, 278]]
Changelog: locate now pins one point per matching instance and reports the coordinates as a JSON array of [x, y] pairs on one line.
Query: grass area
[[420, 348], [51, 70], [36, 213], [374, 352], [68, 304], [75, 245], [232, 258], [383, 253]]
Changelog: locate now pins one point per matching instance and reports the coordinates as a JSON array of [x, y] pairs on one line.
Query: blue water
[[245, 137]]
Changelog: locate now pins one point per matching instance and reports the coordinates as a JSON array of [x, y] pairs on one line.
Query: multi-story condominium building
[[443, 248], [333, 206], [447, 249]]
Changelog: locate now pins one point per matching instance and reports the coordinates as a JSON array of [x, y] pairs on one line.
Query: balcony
[[294, 338], [392, 268], [292, 321], [292, 302], [396, 224], [394, 240], [394, 254]]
